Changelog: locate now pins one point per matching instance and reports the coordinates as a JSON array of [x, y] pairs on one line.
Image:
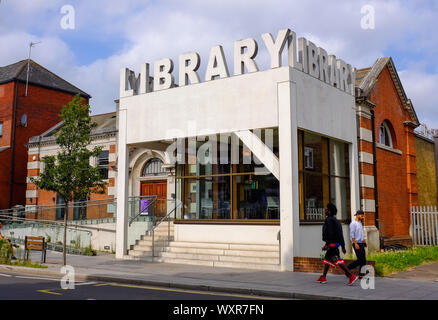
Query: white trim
[[33, 165], [31, 193], [111, 191], [368, 205], [366, 134], [367, 181], [384, 147], [366, 157], [112, 157], [28, 179]]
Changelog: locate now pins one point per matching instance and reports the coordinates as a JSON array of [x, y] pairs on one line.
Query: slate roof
[[106, 123], [38, 75], [367, 78]]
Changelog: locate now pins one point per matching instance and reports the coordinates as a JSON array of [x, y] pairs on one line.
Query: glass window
[[153, 167], [1, 128], [323, 176], [103, 163], [224, 180], [60, 207], [385, 135]]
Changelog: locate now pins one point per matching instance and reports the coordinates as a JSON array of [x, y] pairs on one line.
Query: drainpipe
[[376, 194], [14, 125]]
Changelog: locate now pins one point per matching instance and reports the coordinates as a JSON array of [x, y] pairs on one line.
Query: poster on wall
[[144, 210]]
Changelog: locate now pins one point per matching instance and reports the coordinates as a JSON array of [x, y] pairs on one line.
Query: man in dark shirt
[[333, 237]]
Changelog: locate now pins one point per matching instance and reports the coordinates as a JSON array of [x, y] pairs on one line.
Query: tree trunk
[[64, 247]]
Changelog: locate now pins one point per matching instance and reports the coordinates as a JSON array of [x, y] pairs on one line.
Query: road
[[28, 287]]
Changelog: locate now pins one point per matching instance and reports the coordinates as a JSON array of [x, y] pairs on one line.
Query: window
[[153, 167], [60, 207], [385, 135], [323, 176], [103, 163], [232, 185], [1, 128]]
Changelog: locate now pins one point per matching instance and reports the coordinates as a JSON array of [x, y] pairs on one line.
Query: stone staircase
[[226, 255]]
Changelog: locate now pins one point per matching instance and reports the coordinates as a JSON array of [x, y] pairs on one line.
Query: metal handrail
[[154, 199], [168, 226], [57, 224]]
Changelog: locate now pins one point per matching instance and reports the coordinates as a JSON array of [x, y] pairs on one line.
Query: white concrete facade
[[282, 97]]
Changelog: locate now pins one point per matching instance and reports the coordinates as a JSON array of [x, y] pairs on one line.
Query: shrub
[[6, 252]]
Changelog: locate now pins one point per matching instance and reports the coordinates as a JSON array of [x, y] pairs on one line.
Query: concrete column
[[289, 198], [122, 187]]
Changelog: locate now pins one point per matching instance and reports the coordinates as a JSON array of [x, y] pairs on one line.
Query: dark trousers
[[361, 258]]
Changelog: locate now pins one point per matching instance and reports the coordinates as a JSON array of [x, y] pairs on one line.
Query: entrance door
[[159, 189]]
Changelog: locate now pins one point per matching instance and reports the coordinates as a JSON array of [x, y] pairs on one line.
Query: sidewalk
[[266, 283]]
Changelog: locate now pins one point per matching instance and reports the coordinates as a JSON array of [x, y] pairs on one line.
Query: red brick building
[[23, 116], [386, 121]]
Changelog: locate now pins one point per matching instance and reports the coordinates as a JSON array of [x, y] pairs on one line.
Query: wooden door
[[159, 189]]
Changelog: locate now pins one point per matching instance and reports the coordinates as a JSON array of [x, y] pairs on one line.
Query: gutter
[[376, 193], [14, 125]]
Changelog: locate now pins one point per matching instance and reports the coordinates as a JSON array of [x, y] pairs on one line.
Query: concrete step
[[148, 242], [240, 265], [225, 246]]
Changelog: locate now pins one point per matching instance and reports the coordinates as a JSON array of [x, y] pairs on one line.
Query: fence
[[424, 222]]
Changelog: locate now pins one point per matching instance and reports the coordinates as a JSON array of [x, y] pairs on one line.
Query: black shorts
[[332, 257]]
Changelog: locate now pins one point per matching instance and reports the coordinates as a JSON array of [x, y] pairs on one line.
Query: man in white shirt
[[358, 241]]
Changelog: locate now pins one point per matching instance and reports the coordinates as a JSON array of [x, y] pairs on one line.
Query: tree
[[70, 173]]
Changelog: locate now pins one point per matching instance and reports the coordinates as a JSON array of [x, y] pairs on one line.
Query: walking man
[[333, 237], [358, 242]]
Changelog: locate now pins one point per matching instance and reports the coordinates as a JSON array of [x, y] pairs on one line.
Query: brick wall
[[396, 172], [426, 172], [315, 265]]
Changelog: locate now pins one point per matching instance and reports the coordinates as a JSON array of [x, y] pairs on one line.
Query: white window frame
[[385, 133]]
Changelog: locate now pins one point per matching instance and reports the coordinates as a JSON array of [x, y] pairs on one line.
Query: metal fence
[[424, 222]]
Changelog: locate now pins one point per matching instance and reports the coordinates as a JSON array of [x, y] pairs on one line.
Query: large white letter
[[276, 48], [302, 54], [217, 65], [323, 66], [341, 68], [334, 80], [312, 54], [145, 85], [292, 52], [163, 78], [125, 90], [188, 65], [242, 58]]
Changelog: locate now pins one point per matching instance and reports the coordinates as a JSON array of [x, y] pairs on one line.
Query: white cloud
[[149, 30]]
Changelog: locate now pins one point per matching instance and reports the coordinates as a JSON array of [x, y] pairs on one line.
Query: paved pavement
[[425, 272], [265, 283]]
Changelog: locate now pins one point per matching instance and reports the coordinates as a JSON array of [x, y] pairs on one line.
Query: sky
[[108, 35]]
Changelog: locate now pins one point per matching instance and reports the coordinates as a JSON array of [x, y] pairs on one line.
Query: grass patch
[[28, 264], [389, 262]]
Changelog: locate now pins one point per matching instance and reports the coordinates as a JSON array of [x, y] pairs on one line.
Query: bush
[[6, 252]]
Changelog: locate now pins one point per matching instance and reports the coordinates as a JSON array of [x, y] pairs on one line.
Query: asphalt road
[[28, 287]]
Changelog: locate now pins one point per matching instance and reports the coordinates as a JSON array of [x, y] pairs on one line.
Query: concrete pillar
[[122, 187], [289, 197]]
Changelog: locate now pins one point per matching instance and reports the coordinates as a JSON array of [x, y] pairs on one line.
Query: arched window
[[385, 137], [153, 167]]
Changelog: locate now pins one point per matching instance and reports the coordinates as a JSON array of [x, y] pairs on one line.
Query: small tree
[[69, 173]]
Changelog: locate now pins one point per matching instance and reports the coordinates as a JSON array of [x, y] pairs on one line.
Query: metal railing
[[146, 204], [166, 217], [424, 224]]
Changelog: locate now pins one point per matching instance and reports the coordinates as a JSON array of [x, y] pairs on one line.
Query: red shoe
[[352, 278], [321, 279]]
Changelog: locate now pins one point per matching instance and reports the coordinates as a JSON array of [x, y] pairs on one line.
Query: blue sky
[[112, 34]]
